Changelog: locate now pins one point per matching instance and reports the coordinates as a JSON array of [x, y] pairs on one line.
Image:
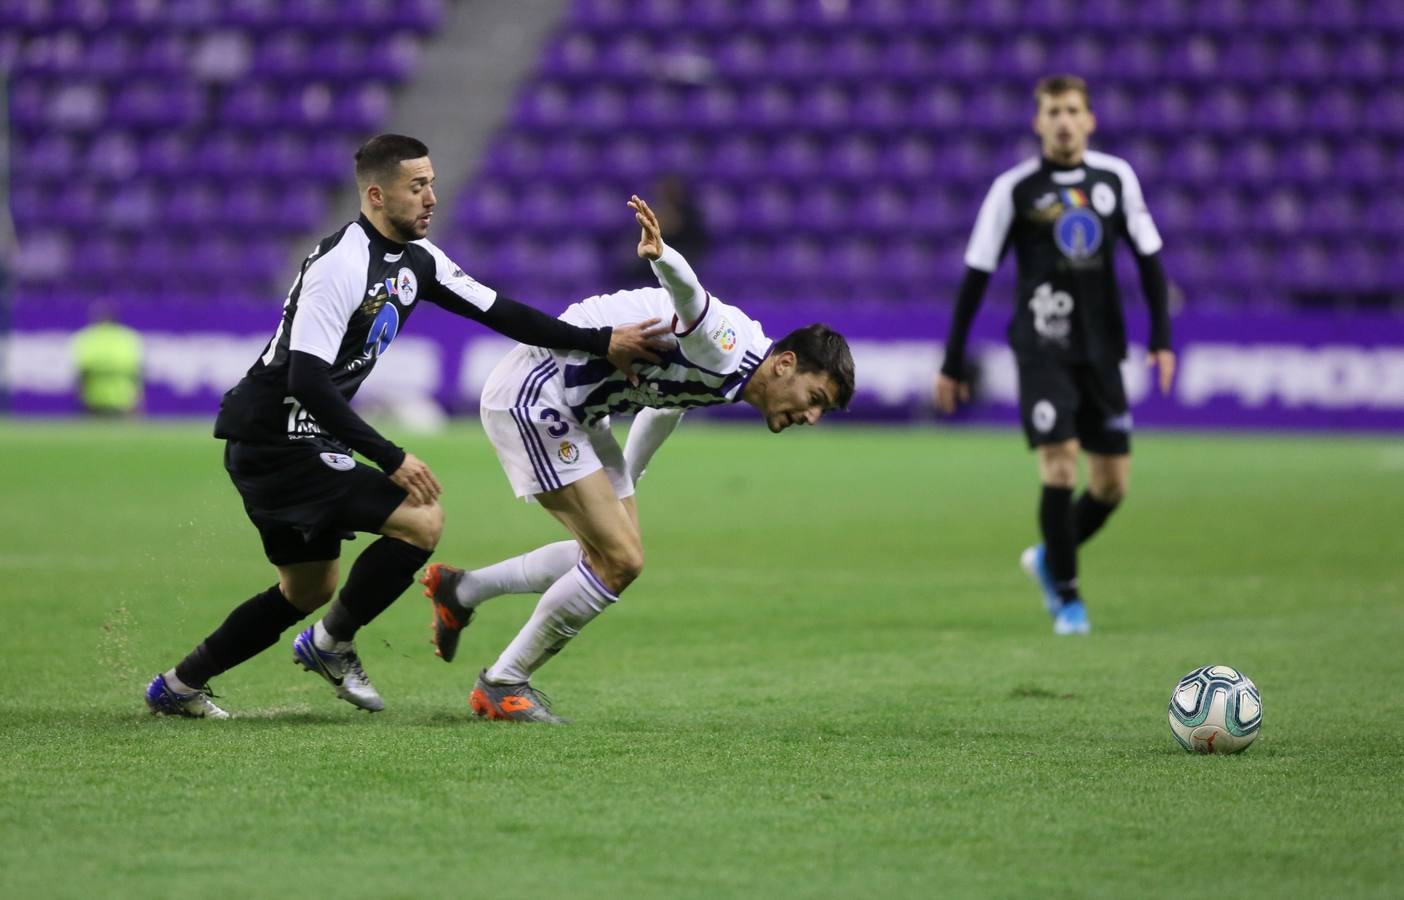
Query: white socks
[[566, 607], [530, 573], [324, 641]]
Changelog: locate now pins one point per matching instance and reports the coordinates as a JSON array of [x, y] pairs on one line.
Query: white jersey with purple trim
[[710, 364]]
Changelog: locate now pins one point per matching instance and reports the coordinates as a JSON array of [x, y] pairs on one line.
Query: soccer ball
[[1215, 709]]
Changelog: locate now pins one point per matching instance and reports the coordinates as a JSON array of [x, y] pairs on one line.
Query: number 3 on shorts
[[557, 430]]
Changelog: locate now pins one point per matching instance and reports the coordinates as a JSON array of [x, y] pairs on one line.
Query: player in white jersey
[[547, 415]]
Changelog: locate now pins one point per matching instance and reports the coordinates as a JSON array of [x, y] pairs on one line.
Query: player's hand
[[1164, 360], [950, 393], [630, 343], [416, 479], [651, 238]]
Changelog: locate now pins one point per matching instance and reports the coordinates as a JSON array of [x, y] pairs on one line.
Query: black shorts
[[306, 499], [1087, 401]]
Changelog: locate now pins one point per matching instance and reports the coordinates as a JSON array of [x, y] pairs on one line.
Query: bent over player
[[290, 430], [1062, 213], [547, 415]]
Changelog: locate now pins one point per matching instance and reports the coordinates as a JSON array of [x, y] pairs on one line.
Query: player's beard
[[407, 228]]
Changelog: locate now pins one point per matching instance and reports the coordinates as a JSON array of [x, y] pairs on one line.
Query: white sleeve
[[451, 278], [650, 429], [689, 300], [720, 338], [1140, 227], [331, 292], [991, 227]]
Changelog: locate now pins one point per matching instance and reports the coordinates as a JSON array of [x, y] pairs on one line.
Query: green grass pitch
[[832, 680]]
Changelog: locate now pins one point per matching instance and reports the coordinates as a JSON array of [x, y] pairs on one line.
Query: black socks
[[1089, 515], [1055, 520], [378, 578], [251, 628]]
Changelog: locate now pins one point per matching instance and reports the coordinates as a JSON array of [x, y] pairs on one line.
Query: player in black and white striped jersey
[[1062, 214], [290, 430], [547, 414]]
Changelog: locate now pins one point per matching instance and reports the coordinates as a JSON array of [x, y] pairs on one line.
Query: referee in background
[[1062, 213]]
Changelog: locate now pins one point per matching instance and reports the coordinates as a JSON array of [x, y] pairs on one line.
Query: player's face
[[409, 199], [1064, 123], [796, 398]]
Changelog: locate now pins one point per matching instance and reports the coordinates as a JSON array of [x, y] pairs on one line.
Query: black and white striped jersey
[[710, 365], [352, 296], [1063, 224]]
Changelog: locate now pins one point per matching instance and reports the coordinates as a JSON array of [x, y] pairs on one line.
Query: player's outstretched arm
[[673, 271]]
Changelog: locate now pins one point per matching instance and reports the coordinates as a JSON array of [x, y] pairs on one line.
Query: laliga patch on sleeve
[[724, 336], [339, 461]]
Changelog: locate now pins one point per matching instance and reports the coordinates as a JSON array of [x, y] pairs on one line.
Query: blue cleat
[[1072, 619], [166, 701], [1034, 561], [341, 669]]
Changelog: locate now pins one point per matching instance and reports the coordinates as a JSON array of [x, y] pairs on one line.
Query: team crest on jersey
[[405, 286], [724, 336], [568, 452], [339, 461], [1103, 198]]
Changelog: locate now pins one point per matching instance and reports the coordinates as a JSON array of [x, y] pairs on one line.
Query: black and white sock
[[378, 577]]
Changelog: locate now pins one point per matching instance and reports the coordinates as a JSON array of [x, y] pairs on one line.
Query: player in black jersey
[[290, 431], [1062, 213]]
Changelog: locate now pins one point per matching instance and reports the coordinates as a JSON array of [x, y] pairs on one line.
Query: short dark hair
[[1054, 85], [818, 348], [378, 156]]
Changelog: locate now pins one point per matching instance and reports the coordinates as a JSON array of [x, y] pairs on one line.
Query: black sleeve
[[972, 291], [1157, 292], [310, 384], [528, 325]]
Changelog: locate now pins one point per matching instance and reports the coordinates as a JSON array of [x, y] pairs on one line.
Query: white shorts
[[540, 445]]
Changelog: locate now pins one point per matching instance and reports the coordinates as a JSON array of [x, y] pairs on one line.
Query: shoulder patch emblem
[[724, 336]]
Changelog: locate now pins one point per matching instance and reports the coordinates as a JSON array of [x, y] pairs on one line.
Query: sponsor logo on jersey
[[1078, 231], [382, 331], [1043, 416], [339, 461], [1103, 198], [724, 336], [1052, 312], [568, 452]]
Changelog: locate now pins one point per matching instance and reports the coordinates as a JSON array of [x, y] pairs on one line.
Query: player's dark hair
[[1054, 85], [818, 348], [379, 156]]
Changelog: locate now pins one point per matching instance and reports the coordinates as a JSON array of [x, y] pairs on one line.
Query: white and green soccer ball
[[1215, 709]]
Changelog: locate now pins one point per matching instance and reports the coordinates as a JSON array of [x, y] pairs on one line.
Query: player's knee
[[621, 567], [1110, 491], [1058, 468], [421, 526], [308, 596]]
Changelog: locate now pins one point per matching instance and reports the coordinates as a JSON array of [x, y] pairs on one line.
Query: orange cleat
[[450, 617], [511, 702]]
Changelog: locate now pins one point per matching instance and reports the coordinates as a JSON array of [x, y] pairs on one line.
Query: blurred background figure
[[684, 228], [107, 357]]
